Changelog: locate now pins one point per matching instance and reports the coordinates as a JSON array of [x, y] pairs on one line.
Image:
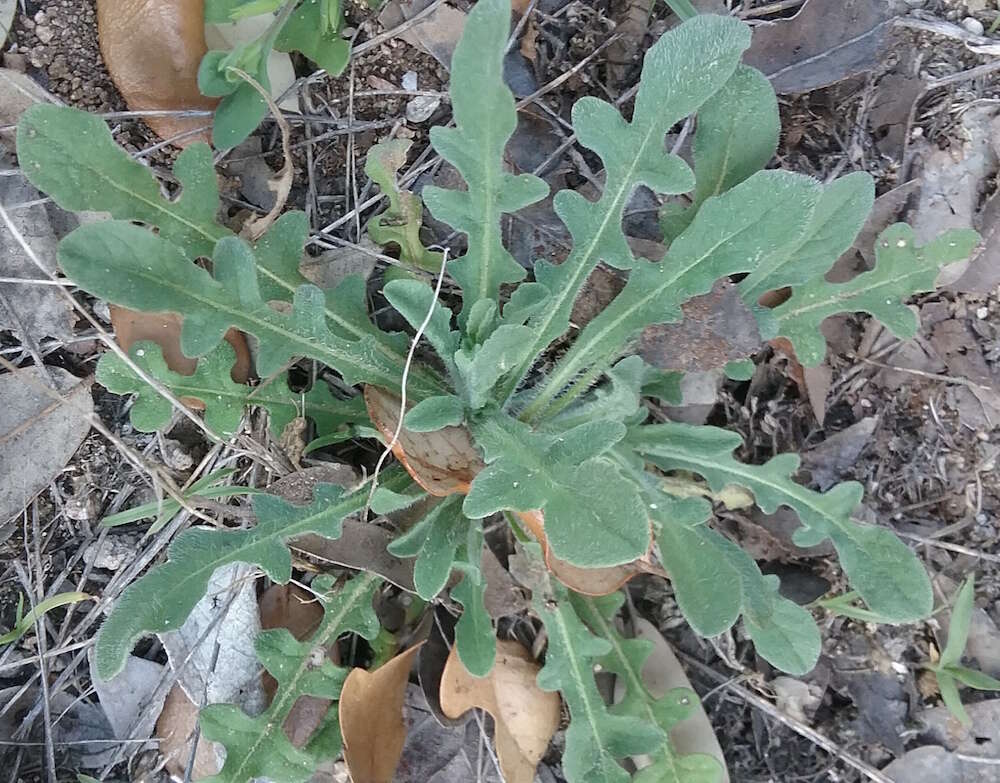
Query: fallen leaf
[[957, 345], [371, 718], [436, 34], [891, 108], [587, 581], [983, 273], [818, 381], [164, 329], [822, 44], [717, 327], [795, 698], [152, 51], [213, 651], [525, 716], [443, 462], [661, 673], [38, 435], [433, 659], [331, 266], [128, 698], [830, 460], [631, 23], [38, 310], [18, 92], [175, 729]]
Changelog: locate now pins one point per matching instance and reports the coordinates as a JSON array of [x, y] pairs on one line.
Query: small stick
[[402, 395]]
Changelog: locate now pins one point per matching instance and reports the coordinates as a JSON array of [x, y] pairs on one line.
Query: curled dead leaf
[[588, 581], [526, 717], [443, 462], [371, 719], [152, 50], [164, 329]]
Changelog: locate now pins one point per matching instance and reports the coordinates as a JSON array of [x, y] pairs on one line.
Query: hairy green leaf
[[483, 366], [224, 399], [593, 516], [434, 541], [883, 570], [958, 627], [317, 38], [475, 638], [166, 280], [400, 223], [736, 136], [596, 737], [163, 598], [434, 413], [71, 156], [680, 72], [626, 659], [483, 108], [730, 234], [257, 747], [901, 270]]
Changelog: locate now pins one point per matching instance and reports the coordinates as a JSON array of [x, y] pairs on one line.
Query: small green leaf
[[972, 678], [475, 638], [434, 541], [400, 223], [413, 299], [257, 747], [385, 501], [739, 370], [958, 628], [27, 622], [306, 32], [483, 110], [435, 413], [485, 365], [950, 697]]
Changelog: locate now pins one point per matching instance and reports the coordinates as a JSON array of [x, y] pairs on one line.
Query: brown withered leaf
[[717, 328], [175, 730], [164, 329], [588, 581], [525, 716], [822, 44], [443, 462], [152, 50], [371, 719]]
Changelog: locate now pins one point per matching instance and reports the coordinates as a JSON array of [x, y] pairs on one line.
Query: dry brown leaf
[[526, 717], [164, 329], [822, 44], [371, 719], [175, 730], [588, 581], [152, 49], [443, 462]]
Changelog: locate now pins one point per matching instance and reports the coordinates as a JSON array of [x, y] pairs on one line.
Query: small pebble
[[982, 312], [421, 108], [44, 33], [409, 80], [970, 23]]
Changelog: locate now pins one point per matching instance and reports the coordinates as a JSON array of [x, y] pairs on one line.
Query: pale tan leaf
[[175, 730], [371, 719], [442, 462], [18, 92], [152, 49], [526, 717], [164, 329]]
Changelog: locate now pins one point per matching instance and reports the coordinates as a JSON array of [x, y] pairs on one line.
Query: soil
[[921, 443]]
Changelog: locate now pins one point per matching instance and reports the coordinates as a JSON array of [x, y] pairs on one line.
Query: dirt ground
[[913, 421]]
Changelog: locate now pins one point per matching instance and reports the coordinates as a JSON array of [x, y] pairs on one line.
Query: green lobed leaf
[[224, 399], [413, 299], [162, 599], [593, 516], [596, 737], [731, 234], [736, 136], [901, 270], [682, 70], [210, 305], [483, 366], [71, 156], [257, 747], [883, 570], [434, 541], [626, 659], [400, 223], [475, 638], [483, 109]]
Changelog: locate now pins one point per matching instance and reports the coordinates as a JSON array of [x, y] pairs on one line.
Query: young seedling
[[497, 421]]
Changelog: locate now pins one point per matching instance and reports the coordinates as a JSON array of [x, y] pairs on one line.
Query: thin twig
[[402, 391]]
